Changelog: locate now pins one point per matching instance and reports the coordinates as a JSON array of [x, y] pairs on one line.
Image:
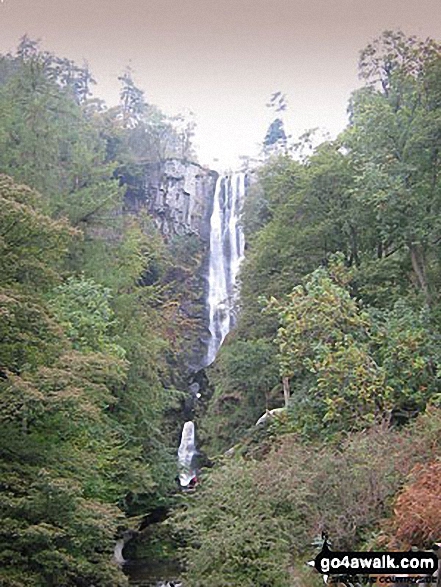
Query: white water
[[118, 550], [186, 454], [227, 246]]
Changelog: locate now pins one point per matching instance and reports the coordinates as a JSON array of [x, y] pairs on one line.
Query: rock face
[[178, 195]]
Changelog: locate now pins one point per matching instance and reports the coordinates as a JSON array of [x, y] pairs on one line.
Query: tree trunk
[[418, 265], [286, 392], [354, 247]]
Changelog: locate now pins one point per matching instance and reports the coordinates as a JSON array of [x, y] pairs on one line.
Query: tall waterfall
[[227, 245]]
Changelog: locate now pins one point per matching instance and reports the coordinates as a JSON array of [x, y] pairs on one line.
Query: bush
[[232, 535], [244, 375], [252, 520], [417, 509]]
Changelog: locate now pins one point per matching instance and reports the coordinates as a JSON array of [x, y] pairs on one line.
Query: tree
[[251, 512], [87, 296], [57, 496], [324, 351], [393, 141], [275, 139], [48, 142], [83, 309], [32, 242], [132, 100], [246, 373], [185, 128], [275, 134], [235, 537], [407, 346]]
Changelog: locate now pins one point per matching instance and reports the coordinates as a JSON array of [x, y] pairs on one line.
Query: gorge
[[186, 200]]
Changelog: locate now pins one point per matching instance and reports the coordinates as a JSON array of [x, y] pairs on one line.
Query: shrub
[[253, 519], [417, 509]]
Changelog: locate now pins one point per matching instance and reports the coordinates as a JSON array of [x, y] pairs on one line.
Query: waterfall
[[227, 245], [118, 552], [186, 454]]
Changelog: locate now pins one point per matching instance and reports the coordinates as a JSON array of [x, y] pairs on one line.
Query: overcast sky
[[221, 59]]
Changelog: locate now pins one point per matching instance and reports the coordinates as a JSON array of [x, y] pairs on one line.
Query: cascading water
[[186, 454], [227, 245]]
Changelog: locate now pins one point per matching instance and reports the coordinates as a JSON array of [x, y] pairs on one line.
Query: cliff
[[178, 195]]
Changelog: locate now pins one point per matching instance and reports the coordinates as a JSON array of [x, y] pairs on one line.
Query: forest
[[338, 339]]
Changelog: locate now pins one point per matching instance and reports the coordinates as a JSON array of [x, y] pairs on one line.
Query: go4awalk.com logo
[[331, 563]]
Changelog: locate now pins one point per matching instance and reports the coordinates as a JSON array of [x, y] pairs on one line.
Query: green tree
[[48, 142], [86, 344], [132, 100], [407, 346], [233, 535], [83, 309], [324, 351], [57, 496], [393, 140], [275, 133], [275, 140], [253, 521], [245, 377]]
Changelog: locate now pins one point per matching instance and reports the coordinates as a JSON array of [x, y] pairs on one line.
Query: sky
[[222, 59]]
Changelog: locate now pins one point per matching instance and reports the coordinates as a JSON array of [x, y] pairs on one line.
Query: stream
[[146, 574]]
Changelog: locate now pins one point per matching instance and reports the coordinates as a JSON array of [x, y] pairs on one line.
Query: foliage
[[416, 510], [275, 141], [372, 196], [393, 140], [348, 366], [245, 374], [233, 536], [408, 349], [84, 332], [47, 141], [83, 309], [96, 319], [141, 132], [32, 245], [57, 497], [132, 100], [343, 272], [248, 510], [323, 351], [275, 133], [31, 242], [302, 218]]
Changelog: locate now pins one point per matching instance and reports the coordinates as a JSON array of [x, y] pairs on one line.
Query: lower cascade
[[186, 454]]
